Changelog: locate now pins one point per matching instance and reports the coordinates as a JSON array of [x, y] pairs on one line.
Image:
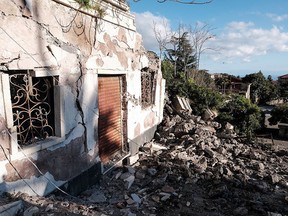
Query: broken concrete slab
[[11, 208], [181, 103]]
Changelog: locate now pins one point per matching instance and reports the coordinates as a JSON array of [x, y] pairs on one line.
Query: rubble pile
[[190, 168]]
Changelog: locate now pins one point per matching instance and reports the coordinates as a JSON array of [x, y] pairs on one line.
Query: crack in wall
[[52, 39], [78, 104], [5, 64], [50, 50]]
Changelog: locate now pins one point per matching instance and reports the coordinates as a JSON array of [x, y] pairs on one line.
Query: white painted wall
[[50, 38]]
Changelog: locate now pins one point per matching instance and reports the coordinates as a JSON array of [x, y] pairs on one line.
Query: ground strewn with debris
[[188, 169]]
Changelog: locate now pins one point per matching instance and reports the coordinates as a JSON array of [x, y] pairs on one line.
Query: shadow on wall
[[110, 134]]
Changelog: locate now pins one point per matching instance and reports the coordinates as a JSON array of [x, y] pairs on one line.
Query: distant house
[[283, 77], [230, 84], [217, 75]]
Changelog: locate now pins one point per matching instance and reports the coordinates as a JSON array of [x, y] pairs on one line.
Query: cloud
[[239, 41], [242, 40], [239, 25], [145, 24], [276, 17]]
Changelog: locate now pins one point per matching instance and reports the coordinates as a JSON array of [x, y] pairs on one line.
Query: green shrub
[[279, 114], [244, 115]]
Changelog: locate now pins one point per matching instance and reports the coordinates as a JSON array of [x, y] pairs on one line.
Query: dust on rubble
[[190, 168]]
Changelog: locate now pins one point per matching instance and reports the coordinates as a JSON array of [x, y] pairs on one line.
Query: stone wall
[[55, 38]]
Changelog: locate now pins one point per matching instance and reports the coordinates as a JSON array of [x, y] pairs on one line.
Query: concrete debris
[[33, 210], [209, 115], [136, 198], [240, 211], [131, 214], [129, 181], [152, 171], [273, 214], [140, 174], [118, 175], [11, 208], [49, 207], [181, 103], [192, 167], [125, 175], [132, 159], [97, 197], [131, 169]]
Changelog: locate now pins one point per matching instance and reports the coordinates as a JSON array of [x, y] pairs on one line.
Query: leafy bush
[[262, 90], [244, 115], [203, 98], [279, 114]]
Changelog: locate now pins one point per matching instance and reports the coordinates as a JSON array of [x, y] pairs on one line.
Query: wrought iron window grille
[[32, 106], [148, 83]]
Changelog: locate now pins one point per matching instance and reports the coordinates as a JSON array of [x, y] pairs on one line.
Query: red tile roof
[[284, 76]]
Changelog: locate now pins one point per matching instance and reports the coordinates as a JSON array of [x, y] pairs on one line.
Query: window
[[147, 87], [32, 107]]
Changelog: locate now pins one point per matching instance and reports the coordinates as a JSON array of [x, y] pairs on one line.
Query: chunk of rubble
[[152, 171], [241, 211], [136, 198], [33, 210], [97, 197], [11, 208], [129, 180]]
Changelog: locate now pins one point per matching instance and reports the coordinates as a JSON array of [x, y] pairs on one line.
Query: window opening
[[147, 87], [32, 106]]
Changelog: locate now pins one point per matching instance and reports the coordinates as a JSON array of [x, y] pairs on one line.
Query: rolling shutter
[[109, 124]]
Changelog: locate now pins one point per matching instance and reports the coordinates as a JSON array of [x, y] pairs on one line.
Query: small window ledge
[[38, 146]]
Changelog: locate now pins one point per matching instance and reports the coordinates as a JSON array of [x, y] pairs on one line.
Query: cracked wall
[[44, 34]]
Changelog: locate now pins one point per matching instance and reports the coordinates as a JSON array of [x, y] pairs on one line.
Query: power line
[[16, 170]]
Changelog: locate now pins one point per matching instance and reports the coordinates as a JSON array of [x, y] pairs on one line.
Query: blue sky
[[250, 35]]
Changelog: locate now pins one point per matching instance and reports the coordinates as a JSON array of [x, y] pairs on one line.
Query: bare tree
[[162, 35], [200, 34]]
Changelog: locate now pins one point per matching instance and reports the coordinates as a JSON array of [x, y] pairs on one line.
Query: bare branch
[[162, 36], [199, 36]]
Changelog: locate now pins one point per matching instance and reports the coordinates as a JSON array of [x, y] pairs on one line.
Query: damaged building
[[78, 93]]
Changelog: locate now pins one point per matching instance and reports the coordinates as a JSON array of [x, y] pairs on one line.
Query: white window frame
[[6, 112]]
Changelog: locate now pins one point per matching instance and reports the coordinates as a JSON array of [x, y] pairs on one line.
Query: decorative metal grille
[[147, 88], [32, 107]]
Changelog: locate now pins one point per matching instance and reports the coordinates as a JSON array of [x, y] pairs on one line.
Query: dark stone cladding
[[83, 181], [141, 139]]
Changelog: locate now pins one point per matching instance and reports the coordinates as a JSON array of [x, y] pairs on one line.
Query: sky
[[250, 35]]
